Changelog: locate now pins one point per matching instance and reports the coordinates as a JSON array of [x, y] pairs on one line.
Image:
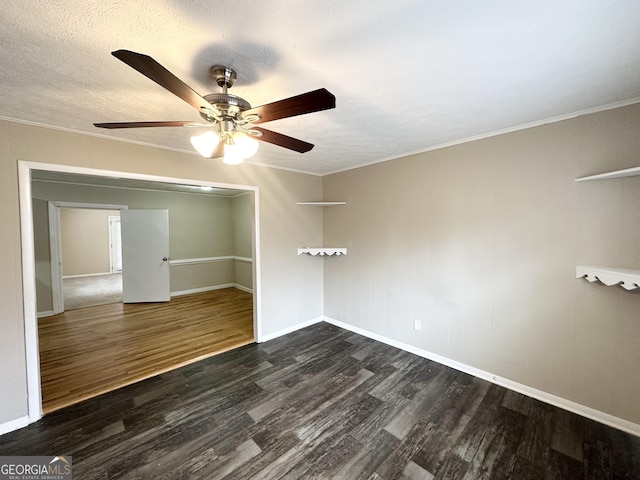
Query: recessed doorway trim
[[34, 394]]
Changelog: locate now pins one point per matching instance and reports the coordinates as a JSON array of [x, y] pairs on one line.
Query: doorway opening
[[85, 251], [27, 169]]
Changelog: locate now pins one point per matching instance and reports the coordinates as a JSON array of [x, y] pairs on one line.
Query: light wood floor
[[90, 351]]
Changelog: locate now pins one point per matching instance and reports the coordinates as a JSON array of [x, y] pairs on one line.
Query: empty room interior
[[95, 338], [321, 239]]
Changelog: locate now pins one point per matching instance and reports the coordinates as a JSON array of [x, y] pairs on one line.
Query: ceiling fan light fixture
[[238, 148], [205, 143]]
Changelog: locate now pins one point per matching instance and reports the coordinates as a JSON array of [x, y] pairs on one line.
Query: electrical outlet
[[417, 325]]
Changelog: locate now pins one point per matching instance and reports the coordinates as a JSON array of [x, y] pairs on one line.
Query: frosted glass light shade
[[205, 143], [248, 146], [232, 155], [242, 148], [236, 148]]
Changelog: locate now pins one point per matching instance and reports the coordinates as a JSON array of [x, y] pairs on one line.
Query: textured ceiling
[[408, 75]]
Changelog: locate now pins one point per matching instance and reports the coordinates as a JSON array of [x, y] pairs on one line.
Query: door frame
[[113, 250], [32, 353], [55, 244]]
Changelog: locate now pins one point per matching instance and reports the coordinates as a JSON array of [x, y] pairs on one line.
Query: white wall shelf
[[627, 172], [322, 251], [627, 278]]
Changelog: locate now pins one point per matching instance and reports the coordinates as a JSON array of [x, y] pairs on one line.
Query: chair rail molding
[[195, 261]]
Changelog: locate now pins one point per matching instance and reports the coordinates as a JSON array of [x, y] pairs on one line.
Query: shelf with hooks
[[322, 251], [625, 277]]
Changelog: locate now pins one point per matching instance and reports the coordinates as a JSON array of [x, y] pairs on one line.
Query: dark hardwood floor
[[324, 403]]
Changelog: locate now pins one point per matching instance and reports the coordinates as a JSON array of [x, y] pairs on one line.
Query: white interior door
[[145, 255]]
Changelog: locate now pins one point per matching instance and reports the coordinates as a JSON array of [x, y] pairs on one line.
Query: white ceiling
[[408, 75]]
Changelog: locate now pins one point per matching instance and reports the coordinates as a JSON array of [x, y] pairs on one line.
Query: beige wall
[[242, 212], [42, 254], [199, 225], [290, 289], [186, 278], [84, 238], [480, 242], [242, 208]]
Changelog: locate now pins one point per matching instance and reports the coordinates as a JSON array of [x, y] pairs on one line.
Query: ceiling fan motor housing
[[224, 76], [230, 105]]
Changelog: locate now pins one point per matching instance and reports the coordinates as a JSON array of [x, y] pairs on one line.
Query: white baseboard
[[14, 425], [593, 414], [243, 288], [46, 314], [211, 288], [293, 328], [203, 289], [89, 275]]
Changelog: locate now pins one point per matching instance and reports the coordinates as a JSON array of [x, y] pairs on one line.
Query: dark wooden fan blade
[[163, 77], [282, 140], [309, 102], [146, 124]]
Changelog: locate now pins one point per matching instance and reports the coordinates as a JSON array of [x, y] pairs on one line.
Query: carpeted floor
[[83, 292]]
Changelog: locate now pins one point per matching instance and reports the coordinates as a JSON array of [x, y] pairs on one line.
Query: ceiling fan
[[230, 118]]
